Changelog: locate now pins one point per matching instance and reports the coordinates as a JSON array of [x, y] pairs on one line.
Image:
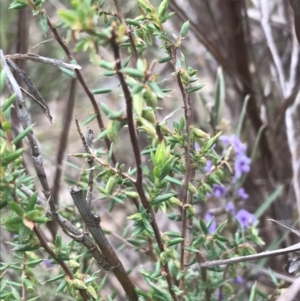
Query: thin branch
[[115, 170], [264, 10], [42, 59], [67, 270], [87, 142], [189, 171], [137, 153], [73, 232], [81, 80], [38, 164], [24, 117], [92, 222], [32, 88], [89, 137], [68, 113], [266, 254], [128, 31], [293, 132], [293, 248]]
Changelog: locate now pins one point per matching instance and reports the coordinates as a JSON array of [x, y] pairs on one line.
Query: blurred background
[[254, 42]]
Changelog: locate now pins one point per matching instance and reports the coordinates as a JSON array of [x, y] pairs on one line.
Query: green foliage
[[171, 176]]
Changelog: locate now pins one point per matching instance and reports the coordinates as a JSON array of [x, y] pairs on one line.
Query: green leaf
[[44, 23], [172, 234], [191, 249], [174, 241], [208, 144], [8, 102], [106, 109], [162, 9], [147, 6], [68, 16], [90, 119], [184, 29], [55, 278], [268, 202], [109, 73], [13, 220], [17, 5], [107, 65], [137, 231], [16, 208], [34, 215], [68, 72], [273, 277], [12, 156], [138, 103], [61, 286], [173, 180], [102, 91], [23, 134], [133, 72], [242, 117], [26, 248], [2, 80], [164, 60], [34, 262], [219, 97], [132, 22], [32, 201], [203, 226], [194, 89], [15, 294], [221, 245], [253, 292], [162, 198]]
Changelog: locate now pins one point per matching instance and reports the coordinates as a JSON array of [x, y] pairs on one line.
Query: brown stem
[[137, 154], [82, 82], [64, 266], [188, 168], [129, 32], [62, 149]]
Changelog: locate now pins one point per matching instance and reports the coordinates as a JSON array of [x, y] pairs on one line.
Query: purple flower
[[219, 190], [239, 279], [242, 165], [235, 141], [197, 147], [237, 144], [219, 295], [208, 166], [245, 218], [213, 226], [230, 208], [242, 193], [48, 263], [225, 139]]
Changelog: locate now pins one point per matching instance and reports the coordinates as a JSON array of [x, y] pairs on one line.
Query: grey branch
[[215, 263], [38, 162], [73, 232], [292, 248], [92, 223], [42, 59], [32, 88]]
